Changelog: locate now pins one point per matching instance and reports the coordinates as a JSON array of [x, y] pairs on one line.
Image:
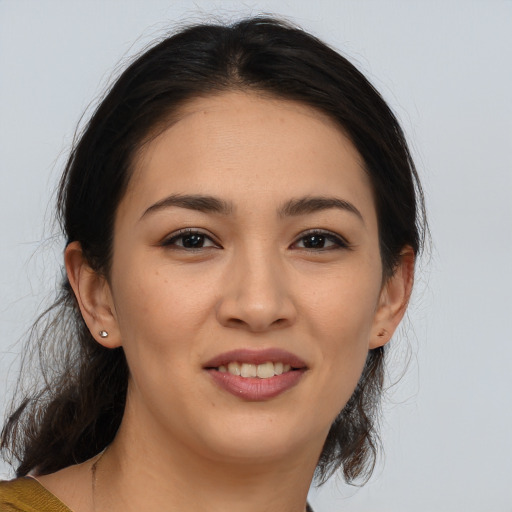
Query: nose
[[256, 294]]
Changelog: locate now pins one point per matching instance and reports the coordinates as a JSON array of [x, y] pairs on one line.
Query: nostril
[[236, 322]]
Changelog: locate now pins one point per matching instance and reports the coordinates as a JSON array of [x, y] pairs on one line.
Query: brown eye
[[314, 241], [194, 241], [320, 240], [189, 240]]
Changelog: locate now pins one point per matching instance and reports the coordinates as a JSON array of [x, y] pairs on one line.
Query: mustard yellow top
[[28, 495]]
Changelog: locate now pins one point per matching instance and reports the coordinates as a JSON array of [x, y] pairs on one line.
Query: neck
[[173, 477]]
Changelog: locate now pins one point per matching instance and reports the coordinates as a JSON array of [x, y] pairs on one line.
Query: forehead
[[248, 145]]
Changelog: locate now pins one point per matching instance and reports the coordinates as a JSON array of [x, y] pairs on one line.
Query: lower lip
[[254, 389]]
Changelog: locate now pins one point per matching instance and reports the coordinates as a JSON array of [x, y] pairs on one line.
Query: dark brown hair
[[76, 409]]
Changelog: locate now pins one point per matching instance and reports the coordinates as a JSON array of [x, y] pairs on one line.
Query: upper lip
[[261, 356]]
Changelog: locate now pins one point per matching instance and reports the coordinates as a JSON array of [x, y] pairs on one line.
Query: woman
[[242, 219]]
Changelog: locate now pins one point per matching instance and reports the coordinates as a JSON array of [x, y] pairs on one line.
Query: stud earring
[[382, 333], [103, 334]]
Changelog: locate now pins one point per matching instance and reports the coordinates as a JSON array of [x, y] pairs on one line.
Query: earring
[[103, 334], [382, 333]]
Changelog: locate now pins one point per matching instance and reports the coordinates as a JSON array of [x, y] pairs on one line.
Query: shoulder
[[28, 495]]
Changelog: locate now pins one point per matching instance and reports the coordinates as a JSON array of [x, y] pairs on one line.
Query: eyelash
[[182, 233], [338, 241]]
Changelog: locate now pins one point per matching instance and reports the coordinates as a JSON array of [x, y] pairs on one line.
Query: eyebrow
[[292, 208], [201, 203], [312, 204]]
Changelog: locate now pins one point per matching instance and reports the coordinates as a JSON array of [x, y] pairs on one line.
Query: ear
[[393, 300], [94, 297]]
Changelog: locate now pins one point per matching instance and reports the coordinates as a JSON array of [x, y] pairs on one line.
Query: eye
[[189, 239], [318, 240]]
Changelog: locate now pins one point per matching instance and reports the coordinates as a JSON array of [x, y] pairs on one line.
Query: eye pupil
[[314, 241], [193, 241]]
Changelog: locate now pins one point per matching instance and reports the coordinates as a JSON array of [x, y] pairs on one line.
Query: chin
[[263, 439]]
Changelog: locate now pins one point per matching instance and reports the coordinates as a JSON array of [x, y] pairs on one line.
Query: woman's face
[[248, 235]]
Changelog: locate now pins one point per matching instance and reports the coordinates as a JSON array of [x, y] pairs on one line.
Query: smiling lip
[[252, 388], [256, 357]]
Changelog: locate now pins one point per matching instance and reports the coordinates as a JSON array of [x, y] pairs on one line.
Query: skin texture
[[256, 283]]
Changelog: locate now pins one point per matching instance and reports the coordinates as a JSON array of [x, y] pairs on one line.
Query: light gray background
[[445, 68]]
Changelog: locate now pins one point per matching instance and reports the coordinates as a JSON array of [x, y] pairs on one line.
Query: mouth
[[261, 371], [256, 375]]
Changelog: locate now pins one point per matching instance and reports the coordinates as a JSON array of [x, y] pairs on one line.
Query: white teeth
[[265, 370], [248, 370], [262, 371], [234, 368]]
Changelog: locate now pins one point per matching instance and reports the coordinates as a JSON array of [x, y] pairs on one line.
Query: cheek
[[342, 318], [161, 311], [344, 303], [155, 295]]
